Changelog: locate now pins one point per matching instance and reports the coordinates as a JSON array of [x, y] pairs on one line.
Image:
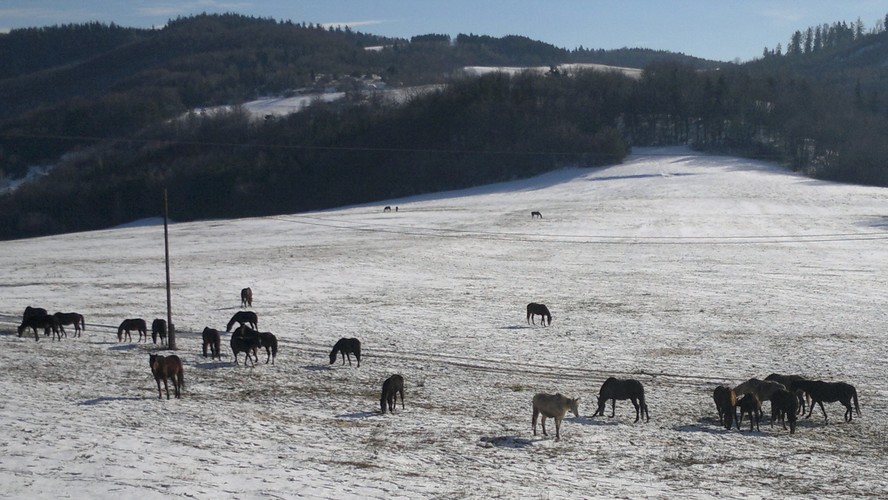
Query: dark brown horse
[[127, 325], [247, 297], [73, 318], [212, 339], [536, 214], [784, 406], [392, 386], [726, 404], [750, 405], [167, 367], [270, 343], [346, 347], [247, 341], [789, 381], [830, 392], [613, 389], [534, 309], [49, 325], [244, 318], [159, 329], [33, 311]]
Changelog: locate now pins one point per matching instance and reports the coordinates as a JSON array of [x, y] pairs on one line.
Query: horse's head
[[574, 405], [333, 356]]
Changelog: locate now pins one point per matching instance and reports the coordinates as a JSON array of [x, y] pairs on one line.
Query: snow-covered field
[[680, 270]]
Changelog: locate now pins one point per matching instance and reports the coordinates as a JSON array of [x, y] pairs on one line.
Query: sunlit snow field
[[681, 270]]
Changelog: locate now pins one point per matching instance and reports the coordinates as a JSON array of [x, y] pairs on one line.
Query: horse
[[33, 311], [270, 343], [346, 347], [387, 209], [75, 319], [167, 367], [750, 405], [46, 322], [726, 404], [246, 341], [390, 390], [614, 389], [247, 297], [789, 382], [534, 309], [784, 406], [763, 389], [159, 329], [830, 392], [244, 318], [536, 214], [132, 324], [212, 340], [555, 406]]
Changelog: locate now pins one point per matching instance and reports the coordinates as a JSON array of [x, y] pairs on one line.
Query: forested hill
[[109, 108]]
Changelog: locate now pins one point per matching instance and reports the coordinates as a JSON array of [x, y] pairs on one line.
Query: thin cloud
[[171, 9]]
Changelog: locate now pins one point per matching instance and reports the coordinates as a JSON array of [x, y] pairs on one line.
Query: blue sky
[[714, 29]]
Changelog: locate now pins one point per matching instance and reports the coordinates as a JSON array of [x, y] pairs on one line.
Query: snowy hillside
[[683, 271]]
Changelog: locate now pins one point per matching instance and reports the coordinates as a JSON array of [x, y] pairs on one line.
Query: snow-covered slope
[[680, 270]]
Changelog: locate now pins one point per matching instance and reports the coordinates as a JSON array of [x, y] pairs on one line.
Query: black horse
[[347, 347], [789, 381], [614, 389], [392, 386], [72, 318], [830, 392], [247, 297], [784, 406], [48, 323], [127, 325], [244, 318], [534, 309], [726, 404], [270, 343], [246, 341], [159, 329], [33, 311], [536, 214], [212, 340]]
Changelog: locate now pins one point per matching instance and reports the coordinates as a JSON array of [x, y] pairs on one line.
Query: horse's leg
[[165, 386], [557, 428], [848, 410], [810, 408], [637, 409], [159, 394], [825, 418], [533, 421], [613, 407], [543, 424]]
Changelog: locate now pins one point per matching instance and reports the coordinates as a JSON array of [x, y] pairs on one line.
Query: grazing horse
[[132, 324], [536, 214], [244, 318], [387, 209], [534, 309], [247, 297], [33, 311], [346, 347], [726, 404], [270, 343], [392, 386], [761, 388], [750, 404], [159, 329], [46, 322], [784, 406], [830, 392], [789, 382], [614, 389], [75, 319], [212, 340], [246, 341], [555, 406], [167, 367]]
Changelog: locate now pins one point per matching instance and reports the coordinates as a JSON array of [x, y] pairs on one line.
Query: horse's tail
[[549, 318], [856, 405]]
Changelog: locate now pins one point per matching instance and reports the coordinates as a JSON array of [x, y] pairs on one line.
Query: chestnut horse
[[212, 340], [167, 367]]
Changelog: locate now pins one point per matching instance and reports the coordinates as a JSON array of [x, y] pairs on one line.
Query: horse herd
[[788, 394]]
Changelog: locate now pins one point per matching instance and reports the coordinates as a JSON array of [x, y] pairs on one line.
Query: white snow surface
[[681, 270]]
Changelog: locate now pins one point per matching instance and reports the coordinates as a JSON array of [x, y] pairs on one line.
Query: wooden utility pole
[[171, 330]]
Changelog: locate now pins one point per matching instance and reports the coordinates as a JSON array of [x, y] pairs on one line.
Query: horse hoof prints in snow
[[555, 406]]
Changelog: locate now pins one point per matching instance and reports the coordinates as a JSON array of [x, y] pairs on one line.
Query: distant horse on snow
[[614, 389], [554, 406], [392, 386], [830, 392], [534, 309], [159, 329], [346, 347], [247, 297], [127, 325], [212, 340], [244, 318], [72, 318], [167, 367]]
